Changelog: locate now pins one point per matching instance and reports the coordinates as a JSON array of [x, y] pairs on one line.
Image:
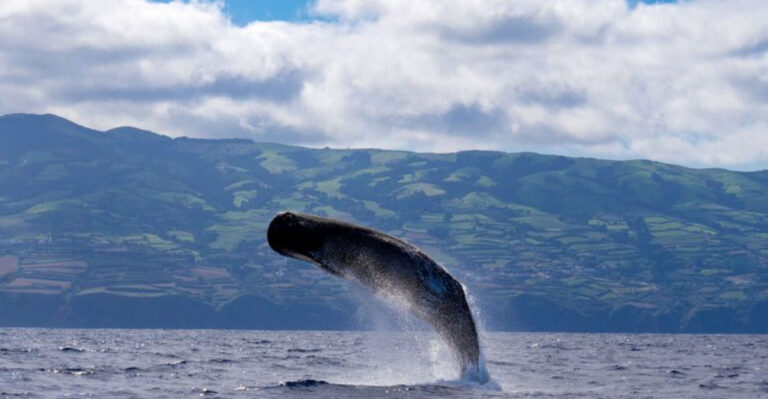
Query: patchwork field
[[624, 245]]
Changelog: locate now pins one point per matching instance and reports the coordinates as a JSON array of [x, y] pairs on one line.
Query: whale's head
[[325, 242], [296, 235]]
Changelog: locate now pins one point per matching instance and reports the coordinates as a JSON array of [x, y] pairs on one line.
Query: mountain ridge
[[133, 129]]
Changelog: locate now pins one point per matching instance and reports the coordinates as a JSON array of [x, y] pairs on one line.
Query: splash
[[480, 375], [407, 351]]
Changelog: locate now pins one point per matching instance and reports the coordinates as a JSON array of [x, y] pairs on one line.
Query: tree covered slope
[[129, 228]]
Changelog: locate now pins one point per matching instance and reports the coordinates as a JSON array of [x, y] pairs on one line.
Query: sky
[[681, 82], [242, 12]]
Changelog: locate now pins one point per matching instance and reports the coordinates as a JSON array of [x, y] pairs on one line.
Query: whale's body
[[391, 268]]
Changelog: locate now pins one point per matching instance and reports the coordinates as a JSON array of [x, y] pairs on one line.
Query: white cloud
[[683, 83]]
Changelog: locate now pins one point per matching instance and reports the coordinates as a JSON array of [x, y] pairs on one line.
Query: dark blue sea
[[58, 363]]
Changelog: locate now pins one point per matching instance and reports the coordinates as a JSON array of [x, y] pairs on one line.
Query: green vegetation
[[142, 216]]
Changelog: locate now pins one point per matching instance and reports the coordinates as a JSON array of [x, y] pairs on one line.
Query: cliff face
[[127, 228]]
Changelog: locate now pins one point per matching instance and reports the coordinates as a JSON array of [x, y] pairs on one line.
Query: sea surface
[[59, 363]]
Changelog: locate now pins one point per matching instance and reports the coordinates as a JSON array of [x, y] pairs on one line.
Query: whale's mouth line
[[390, 268]]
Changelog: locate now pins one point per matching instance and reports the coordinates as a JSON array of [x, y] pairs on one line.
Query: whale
[[391, 269]]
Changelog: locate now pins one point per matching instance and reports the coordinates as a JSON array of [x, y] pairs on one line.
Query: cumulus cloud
[[684, 82]]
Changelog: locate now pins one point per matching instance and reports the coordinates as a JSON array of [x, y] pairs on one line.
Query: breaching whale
[[392, 269]]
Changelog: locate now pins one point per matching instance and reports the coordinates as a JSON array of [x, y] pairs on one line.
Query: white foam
[[479, 374]]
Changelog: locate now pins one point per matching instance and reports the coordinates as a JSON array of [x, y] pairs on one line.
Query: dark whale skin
[[391, 268]]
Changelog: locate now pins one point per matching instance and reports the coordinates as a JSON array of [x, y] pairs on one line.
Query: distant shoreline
[[253, 313]]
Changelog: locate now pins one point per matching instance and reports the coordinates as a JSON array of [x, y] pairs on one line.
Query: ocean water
[[59, 363]]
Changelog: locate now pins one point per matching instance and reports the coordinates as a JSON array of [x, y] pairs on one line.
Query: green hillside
[[129, 228]]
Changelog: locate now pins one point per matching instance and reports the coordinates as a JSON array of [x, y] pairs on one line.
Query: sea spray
[[409, 352], [405, 348], [479, 375]]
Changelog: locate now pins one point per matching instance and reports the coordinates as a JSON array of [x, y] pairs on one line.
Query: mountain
[[127, 228]]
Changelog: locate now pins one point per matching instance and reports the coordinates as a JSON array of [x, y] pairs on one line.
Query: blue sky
[[242, 12]]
